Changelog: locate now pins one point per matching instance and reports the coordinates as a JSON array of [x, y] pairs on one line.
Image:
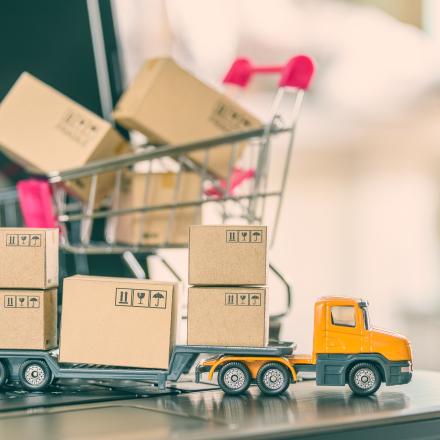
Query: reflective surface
[[305, 408]]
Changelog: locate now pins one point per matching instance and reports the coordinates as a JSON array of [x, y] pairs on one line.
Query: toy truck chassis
[[36, 369]]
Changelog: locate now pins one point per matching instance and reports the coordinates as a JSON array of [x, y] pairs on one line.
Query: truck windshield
[[366, 318]]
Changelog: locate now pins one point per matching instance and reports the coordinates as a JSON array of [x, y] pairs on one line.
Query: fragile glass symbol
[[141, 296]]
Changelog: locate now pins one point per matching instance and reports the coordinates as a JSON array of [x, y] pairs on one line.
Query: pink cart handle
[[35, 199], [297, 72]]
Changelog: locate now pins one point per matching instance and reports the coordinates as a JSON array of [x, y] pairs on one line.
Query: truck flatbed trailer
[[36, 369]]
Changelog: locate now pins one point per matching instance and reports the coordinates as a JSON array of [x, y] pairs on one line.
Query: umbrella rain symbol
[[158, 296]]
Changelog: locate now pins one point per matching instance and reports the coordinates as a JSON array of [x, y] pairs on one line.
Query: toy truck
[[346, 350]]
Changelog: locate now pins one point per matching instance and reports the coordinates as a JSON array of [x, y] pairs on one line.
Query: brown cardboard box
[[28, 319], [28, 258], [118, 321], [151, 228], [227, 255], [45, 131], [171, 106], [230, 316]]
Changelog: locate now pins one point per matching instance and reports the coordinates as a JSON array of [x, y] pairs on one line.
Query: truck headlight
[[407, 369]]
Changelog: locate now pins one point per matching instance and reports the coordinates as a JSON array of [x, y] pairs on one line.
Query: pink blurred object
[[35, 198], [237, 177], [297, 72]]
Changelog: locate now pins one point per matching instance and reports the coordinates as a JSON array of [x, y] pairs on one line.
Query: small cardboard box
[[227, 255], [28, 258], [28, 319], [45, 131], [171, 106], [154, 227], [118, 321], [230, 316]]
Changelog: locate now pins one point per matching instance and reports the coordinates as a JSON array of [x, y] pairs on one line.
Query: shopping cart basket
[[251, 193]]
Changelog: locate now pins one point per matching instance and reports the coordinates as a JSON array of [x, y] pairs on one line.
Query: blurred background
[[361, 211]]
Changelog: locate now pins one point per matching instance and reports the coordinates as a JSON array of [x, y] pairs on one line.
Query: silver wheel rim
[[273, 379], [34, 375], [234, 378], [365, 378]]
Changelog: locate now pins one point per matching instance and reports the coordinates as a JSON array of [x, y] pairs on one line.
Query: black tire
[[34, 375], [234, 378], [364, 379], [3, 373], [273, 379]]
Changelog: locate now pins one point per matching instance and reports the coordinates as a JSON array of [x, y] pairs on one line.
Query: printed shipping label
[[244, 236], [21, 302], [243, 299], [151, 299], [23, 240]]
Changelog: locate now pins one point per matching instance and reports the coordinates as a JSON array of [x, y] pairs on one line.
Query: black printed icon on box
[[11, 239], [35, 240], [243, 299], [141, 298], [33, 302], [230, 299], [23, 240], [10, 301], [231, 236], [158, 299], [255, 299], [124, 297], [244, 236], [256, 237]]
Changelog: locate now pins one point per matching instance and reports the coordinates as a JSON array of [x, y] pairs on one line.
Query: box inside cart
[[45, 131], [158, 226], [171, 106]]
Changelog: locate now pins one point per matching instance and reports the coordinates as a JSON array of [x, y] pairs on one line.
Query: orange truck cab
[[346, 350]]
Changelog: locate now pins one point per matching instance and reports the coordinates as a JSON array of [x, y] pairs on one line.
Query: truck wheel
[[364, 379], [34, 375], [273, 379], [234, 378], [3, 373]]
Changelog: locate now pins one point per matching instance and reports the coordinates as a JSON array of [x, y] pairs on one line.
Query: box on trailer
[[28, 319], [228, 316], [171, 106], [228, 255], [118, 321], [44, 131], [156, 227], [28, 258]]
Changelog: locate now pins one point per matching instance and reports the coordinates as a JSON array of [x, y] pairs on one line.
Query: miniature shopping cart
[[251, 192]]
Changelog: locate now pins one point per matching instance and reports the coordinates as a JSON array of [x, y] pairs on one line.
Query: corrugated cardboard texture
[[228, 255], [45, 131], [118, 321], [171, 106], [28, 258], [154, 227], [227, 316], [28, 319]]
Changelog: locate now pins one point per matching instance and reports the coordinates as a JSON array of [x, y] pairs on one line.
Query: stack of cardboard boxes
[[227, 303], [28, 288]]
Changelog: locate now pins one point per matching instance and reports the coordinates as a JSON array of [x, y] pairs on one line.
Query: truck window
[[343, 315]]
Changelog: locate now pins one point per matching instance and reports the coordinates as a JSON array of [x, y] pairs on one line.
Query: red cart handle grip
[[297, 72]]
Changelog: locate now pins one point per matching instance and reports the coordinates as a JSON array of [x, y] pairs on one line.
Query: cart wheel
[[3, 373], [234, 378], [364, 379], [273, 379], [34, 375]]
